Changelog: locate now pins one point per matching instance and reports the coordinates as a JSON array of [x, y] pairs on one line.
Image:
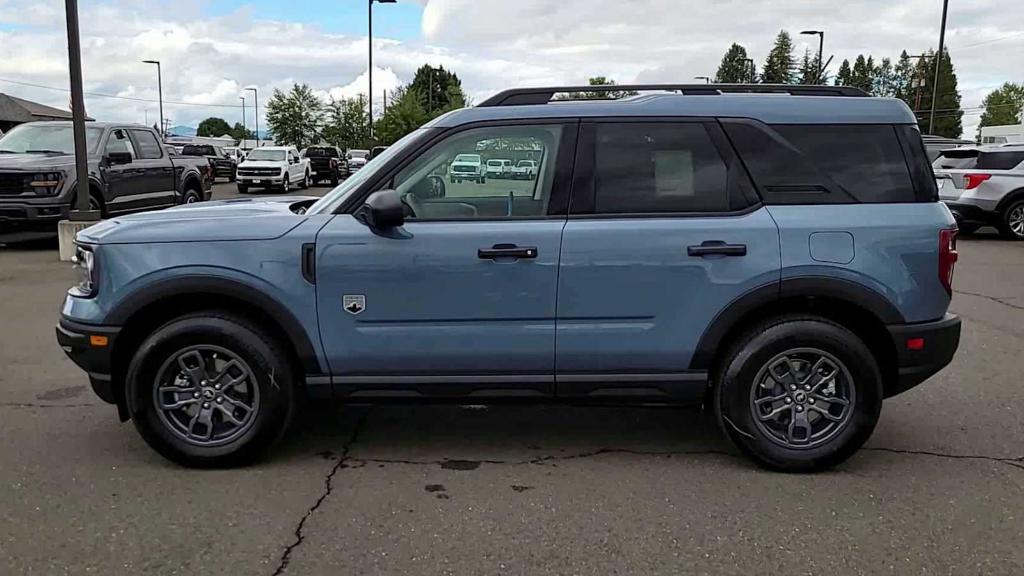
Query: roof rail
[[533, 96]]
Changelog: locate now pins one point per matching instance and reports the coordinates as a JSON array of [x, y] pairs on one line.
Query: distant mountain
[[181, 131]]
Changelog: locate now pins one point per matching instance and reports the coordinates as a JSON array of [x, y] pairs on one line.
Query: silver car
[[984, 185]]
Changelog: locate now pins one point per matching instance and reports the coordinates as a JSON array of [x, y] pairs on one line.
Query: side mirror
[[119, 158], [383, 210]]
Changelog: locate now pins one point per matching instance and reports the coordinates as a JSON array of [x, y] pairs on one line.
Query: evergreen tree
[[437, 89], [845, 75], [948, 115], [862, 76], [598, 95], [808, 69], [885, 79], [903, 74], [1003, 106], [734, 68], [403, 115], [778, 69]]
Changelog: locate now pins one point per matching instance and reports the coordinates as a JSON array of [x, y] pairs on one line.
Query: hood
[[235, 219], [36, 161], [262, 164]]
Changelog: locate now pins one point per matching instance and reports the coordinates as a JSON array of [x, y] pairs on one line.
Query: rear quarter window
[[827, 163], [1001, 160]]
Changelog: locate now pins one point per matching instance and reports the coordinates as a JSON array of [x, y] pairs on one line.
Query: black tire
[[191, 196], [738, 376], [305, 181], [483, 180], [286, 185], [334, 180], [243, 188], [1011, 220], [271, 373], [96, 204], [231, 177]]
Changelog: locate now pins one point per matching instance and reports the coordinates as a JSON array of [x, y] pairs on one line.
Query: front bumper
[[922, 350], [18, 218], [260, 180], [91, 348]]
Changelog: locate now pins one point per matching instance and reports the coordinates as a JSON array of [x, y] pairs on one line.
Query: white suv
[[499, 168], [467, 167], [273, 167], [525, 170]]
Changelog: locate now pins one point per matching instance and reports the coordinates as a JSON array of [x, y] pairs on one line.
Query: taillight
[[947, 257], [972, 181]]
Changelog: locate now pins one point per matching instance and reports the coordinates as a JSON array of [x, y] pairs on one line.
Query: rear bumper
[[970, 213], [76, 341], [940, 340]]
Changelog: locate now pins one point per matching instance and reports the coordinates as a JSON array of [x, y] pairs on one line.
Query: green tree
[[213, 127], [439, 89], [808, 73], [863, 75], [598, 95], [296, 118], [903, 76], [735, 69], [948, 115], [778, 69], [1004, 105], [885, 81], [346, 124], [845, 75], [240, 133], [404, 114]]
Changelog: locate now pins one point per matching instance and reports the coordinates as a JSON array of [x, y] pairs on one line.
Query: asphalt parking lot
[[515, 490]]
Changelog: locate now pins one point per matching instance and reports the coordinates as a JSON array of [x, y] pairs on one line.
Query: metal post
[[431, 83], [81, 211], [242, 141], [938, 65], [369, 71], [750, 62], [256, 101], [821, 56], [160, 95]]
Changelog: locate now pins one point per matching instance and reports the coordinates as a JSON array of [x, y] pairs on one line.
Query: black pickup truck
[[326, 163], [129, 171], [223, 164]]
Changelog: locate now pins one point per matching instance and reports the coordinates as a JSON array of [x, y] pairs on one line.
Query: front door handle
[[506, 251], [717, 248]]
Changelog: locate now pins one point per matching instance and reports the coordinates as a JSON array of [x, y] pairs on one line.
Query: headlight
[[45, 183], [85, 265]]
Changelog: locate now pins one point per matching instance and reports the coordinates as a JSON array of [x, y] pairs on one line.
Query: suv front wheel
[[799, 393], [209, 389]]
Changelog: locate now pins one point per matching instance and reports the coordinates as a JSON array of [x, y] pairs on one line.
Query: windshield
[[263, 154], [44, 138], [335, 197]]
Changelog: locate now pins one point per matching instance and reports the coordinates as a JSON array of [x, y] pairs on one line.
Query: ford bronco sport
[[777, 254]]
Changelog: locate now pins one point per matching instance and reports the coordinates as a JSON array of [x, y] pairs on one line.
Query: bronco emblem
[[354, 303]]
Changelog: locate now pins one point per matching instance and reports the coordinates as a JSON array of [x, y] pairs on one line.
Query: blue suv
[[775, 253]]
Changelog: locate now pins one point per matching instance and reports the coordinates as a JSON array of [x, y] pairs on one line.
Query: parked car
[[327, 163], [499, 168], [129, 171], [273, 167], [467, 167], [224, 165], [984, 185], [782, 260], [524, 170], [235, 153], [357, 159], [376, 151]]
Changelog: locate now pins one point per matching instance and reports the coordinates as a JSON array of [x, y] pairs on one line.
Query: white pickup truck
[[273, 167], [524, 170]]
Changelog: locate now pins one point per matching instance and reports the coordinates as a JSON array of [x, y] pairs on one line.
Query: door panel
[[431, 305], [631, 299]]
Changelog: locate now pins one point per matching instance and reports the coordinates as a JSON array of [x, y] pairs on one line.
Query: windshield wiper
[[44, 151]]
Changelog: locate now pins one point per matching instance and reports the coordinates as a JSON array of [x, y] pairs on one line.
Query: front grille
[[463, 169], [13, 183], [258, 172]]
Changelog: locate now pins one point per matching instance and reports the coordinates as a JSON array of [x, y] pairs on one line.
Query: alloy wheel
[[206, 395], [1015, 219], [802, 398]]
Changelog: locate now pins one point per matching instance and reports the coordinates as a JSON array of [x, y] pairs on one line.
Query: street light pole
[[750, 63], [369, 71], [242, 141], [81, 212], [938, 63], [256, 101], [160, 92], [821, 49]]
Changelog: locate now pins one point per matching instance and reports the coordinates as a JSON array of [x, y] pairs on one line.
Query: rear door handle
[[717, 248], [506, 251]]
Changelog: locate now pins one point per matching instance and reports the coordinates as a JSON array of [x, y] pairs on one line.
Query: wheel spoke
[[231, 382], [196, 370], [824, 413], [203, 416], [789, 377], [229, 413], [799, 431], [770, 399], [178, 403], [235, 403], [773, 414]]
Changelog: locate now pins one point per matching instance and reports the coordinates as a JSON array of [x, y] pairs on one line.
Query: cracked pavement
[[516, 490]]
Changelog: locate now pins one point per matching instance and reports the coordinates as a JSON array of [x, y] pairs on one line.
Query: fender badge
[[353, 303]]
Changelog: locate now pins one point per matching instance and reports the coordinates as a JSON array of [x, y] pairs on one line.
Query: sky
[[211, 50]]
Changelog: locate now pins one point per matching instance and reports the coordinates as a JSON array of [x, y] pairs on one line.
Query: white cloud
[[491, 44]]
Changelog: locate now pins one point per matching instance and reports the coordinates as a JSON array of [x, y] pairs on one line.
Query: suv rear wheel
[[209, 389], [1011, 221], [799, 393]]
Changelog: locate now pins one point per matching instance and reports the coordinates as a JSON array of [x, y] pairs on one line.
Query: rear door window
[[149, 148]]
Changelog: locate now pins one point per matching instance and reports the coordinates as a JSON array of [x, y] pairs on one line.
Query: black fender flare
[[216, 285], [804, 286]]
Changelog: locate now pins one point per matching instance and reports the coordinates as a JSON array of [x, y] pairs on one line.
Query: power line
[[133, 99], [992, 41]]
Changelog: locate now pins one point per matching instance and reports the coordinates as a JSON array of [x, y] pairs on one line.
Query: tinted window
[[148, 146], [321, 153], [118, 142], [964, 159], [1002, 160], [824, 164], [657, 167], [866, 161]]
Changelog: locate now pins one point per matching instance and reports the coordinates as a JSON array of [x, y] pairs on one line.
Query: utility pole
[[369, 71], [242, 140], [81, 212], [160, 91], [938, 66], [256, 99]]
